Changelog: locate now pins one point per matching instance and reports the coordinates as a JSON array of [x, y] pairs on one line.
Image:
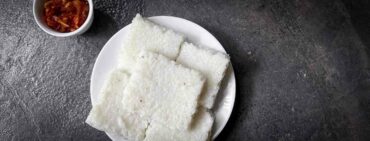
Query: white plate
[[108, 56]]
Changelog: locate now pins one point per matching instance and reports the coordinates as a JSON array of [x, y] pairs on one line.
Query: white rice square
[[211, 63], [163, 91], [108, 114], [146, 35]]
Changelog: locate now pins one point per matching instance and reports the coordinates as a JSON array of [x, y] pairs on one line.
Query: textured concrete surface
[[302, 67]]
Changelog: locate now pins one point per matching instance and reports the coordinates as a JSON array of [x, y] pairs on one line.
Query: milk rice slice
[[212, 64], [199, 131], [163, 91], [107, 114], [146, 35]]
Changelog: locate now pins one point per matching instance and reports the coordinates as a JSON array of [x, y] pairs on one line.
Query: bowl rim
[[53, 32]]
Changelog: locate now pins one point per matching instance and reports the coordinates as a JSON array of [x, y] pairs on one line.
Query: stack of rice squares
[[163, 88]]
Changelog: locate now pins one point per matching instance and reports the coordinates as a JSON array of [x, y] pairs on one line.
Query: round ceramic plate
[[108, 56]]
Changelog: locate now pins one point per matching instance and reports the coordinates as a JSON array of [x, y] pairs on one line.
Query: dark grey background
[[302, 67]]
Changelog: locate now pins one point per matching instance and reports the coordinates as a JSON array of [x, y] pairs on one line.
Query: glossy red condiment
[[65, 15]]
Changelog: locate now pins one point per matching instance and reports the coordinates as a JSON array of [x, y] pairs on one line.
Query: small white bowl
[[38, 6]]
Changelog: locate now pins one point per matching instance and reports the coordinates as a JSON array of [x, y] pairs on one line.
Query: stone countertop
[[302, 67]]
